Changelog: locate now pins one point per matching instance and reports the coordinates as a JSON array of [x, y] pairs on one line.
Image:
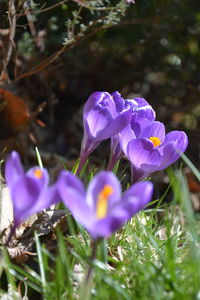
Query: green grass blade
[[38, 157], [40, 261]]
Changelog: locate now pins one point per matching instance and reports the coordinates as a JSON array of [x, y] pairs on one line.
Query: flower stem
[[104, 250], [83, 159], [112, 163], [85, 291]]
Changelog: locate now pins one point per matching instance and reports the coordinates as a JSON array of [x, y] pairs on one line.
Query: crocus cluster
[[102, 208], [139, 137]]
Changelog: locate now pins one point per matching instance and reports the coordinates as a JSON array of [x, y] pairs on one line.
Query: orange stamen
[[38, 173], [102, 201], [155, 140]]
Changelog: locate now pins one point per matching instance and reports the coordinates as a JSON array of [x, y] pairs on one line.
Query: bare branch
[[11, 43], [46, 62], [80, 3], [43, 9], [49, 60]]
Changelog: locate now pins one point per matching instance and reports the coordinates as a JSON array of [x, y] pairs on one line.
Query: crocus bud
[[104, 116]]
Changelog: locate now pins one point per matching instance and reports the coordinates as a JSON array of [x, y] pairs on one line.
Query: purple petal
[[104, 116], [13, 168], [119, 101], [39, 174], [89, 143], [114, 126], [144, 109], [72, 193], [100, 110], [154, 129], [93, 99], [46, 198], [125, 136], [51, 196], [105, 227], [24, 195], [116, 150], [130, 1], [141, 102], [141, 192], [143, 157], [138, 124], [71, 183], [97, 120], [133, 201], [140, 151], [174, 143], [96, 186], [132, 103], [100, 101]]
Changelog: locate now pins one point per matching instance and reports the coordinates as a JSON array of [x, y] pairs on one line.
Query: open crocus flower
[[29, 191], [149, 149], [103, 117], [141, 109], [102, 209]]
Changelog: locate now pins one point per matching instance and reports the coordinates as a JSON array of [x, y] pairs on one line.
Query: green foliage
[[156, 255]]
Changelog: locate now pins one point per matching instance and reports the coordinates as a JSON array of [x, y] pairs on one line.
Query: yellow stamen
[[155, 140], [102, 201], [38, 173]]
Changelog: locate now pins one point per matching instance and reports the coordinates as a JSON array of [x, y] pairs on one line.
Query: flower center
[[38, 173], [155, 140], [102, 201]]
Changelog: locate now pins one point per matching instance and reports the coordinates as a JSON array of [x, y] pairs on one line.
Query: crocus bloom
[[102, 209], [149, 149], [140, 109], [103, 117], [29, 191]]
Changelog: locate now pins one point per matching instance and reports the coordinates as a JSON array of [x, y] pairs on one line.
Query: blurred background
[[54, 54]]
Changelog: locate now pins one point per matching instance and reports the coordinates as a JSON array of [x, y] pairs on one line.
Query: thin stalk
[[104, 251], [41, 263], [83, 159], [85, 291], [112, 163]]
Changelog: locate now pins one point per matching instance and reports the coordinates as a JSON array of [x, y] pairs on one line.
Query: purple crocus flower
[[103, 117], [141, 109], [102, 209], [29, 191], [149, 149]]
